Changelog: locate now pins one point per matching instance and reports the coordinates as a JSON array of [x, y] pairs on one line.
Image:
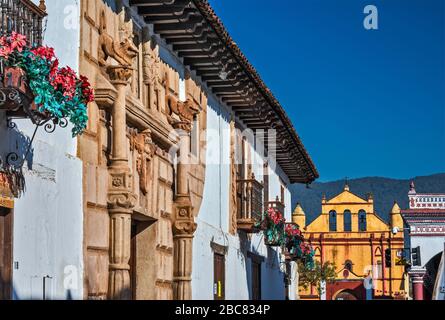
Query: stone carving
[[119, 73], [121, 200], [123, 51], [152, 65], [181, 113], [146, 149]]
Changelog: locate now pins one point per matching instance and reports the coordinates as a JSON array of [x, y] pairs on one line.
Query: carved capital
[[184, 223], [119, 74], [120, 195], [123, 200]]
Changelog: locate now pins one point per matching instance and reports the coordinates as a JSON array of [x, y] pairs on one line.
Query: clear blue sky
[[365, 103]]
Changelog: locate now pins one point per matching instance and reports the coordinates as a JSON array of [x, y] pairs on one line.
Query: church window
[[362, 220], [332, 221], [347, 221]]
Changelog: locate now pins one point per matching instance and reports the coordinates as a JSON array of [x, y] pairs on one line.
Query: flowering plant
[[297, 246], [57, 90], [273, 225]]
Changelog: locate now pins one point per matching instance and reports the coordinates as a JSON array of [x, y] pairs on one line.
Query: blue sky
[[365, 102]]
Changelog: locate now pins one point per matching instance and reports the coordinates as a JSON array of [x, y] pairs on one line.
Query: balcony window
[[250, 203]]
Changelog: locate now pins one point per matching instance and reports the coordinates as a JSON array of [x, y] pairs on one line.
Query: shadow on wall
[[16, 151], [432, 268], [271, 262]]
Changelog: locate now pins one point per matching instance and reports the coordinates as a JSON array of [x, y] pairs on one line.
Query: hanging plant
[[57, 91], [294, 238], [272, 224], [297, 247]]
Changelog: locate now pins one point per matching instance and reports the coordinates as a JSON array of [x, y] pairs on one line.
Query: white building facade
[[46, 220], [62, 244], [426, 221]]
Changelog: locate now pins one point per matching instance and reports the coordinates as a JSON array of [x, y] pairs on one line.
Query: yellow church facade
[[367, 252]]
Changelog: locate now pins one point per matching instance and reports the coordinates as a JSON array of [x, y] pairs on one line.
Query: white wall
[[213, 222], [429, 247], [48, 218]]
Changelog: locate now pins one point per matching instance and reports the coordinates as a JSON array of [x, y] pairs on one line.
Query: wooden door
[[256, 280], [219, 283], [5, 253]]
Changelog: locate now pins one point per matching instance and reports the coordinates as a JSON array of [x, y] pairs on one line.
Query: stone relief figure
[[152, 71], [123, 51], [146, 149], [180, 114]]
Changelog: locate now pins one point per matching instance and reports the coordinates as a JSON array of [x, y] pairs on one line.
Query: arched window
[[332, 221], [362, 220], [348, 265], [347, 221]]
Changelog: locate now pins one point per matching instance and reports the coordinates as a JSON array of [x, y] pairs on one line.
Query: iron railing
[[23, 16]]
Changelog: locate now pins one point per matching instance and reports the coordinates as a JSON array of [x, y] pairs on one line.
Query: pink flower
[[18, 41]]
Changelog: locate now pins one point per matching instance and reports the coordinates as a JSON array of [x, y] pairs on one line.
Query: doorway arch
[[345, 295]]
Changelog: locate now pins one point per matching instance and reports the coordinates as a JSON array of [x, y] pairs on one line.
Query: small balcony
[[250, 204], [277, 205], [24, 17]]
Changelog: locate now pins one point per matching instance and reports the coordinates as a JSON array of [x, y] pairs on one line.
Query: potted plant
[[33, 80], [272, 225]]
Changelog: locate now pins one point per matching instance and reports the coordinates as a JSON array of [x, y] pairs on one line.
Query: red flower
[[87, 91], [44, 52], [65, 79], [275, 216], [18, 41]]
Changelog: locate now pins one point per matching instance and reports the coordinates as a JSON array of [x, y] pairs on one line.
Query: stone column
[[121, 199], [184, 225], [416, 275]]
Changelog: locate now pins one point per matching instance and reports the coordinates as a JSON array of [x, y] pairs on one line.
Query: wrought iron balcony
[[24, 17], [250, 204]]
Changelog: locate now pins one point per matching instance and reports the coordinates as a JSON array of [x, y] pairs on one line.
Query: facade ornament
[[181, 113], [152, 65], [146, 149], [119, 74], [123, 51]]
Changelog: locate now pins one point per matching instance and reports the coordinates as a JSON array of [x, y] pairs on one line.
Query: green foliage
[[315, 274]]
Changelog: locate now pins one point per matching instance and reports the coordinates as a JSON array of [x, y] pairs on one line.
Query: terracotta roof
[[198, 36]]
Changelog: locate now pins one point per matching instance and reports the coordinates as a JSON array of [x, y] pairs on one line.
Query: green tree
[[316, 275]]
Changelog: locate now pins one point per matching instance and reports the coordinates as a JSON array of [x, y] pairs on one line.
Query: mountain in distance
[[384, 190]]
